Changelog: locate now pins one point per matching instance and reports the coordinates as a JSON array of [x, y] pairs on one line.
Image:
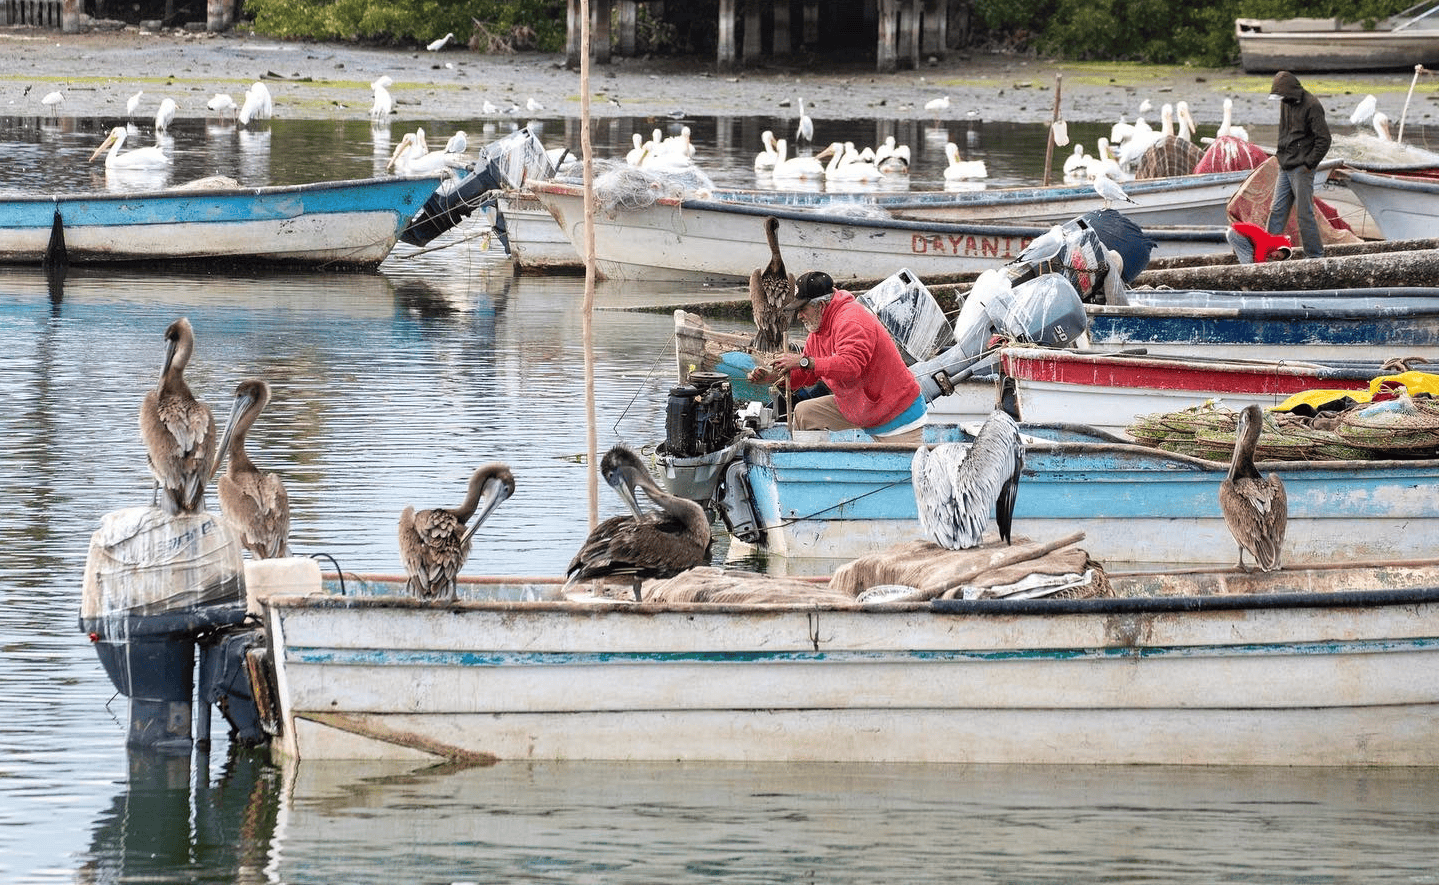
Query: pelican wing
[[257, 505], [956, 485], [1256, 512], [432, 551]]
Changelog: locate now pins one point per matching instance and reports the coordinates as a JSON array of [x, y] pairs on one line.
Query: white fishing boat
[[714, 241], [1328, 44], [1405, 205], [1334, 665]]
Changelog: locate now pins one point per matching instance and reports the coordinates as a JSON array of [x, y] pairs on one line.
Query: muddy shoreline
[[98, 70]]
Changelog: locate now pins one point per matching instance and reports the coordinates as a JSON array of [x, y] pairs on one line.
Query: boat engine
[[700, 453], [700, 415]]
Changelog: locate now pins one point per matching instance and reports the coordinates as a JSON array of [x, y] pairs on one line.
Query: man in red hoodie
[[851, 351]]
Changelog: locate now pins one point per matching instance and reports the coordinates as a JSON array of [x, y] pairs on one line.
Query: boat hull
[[1275, 45], [829, 500], [711, 241], [1403, 206], [1284, 679], [336, 225]]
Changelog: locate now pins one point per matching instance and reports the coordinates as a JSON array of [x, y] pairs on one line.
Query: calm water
[[389, 389]]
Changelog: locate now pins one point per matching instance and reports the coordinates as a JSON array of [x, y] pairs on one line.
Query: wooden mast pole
[[1054, 118], [587, 314]]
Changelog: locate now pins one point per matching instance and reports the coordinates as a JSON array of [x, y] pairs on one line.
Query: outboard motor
[[156, 586], [700, 453], [700, 415]]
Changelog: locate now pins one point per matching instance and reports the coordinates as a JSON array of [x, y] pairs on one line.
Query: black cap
[[811, 285]]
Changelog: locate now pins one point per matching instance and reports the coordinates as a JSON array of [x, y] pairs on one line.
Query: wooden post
[[911, 32], [726, 48], [936, 28], [588, 309], [575, 28], [1418, 69], [783, 41], [752, 49], [600, 31], [70, 23], [810, 35], [626, 15], [214, 15], [1054, 118], [885, 60]]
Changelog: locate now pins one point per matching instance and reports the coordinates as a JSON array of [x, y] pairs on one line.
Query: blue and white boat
[[831, 496], [336, 225]]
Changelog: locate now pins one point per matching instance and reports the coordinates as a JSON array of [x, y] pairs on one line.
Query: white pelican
[[413, 158], [1120, 131], [956, 484], [787, 167], [435, 543], [636, 154], [844, 165], [52, 101], [892, 159], [642, 545], [805, 132], [222, 104], [140, 158], [764, 160], [383, 104], [1255, 507], [165, 115], [132, 103], [258, 104], [1226, 125], [1076, 165], [961, 170], [1381, 126], [437, 45], [1110, 190], [1105, 162], [1184, 124], [1364, 111]]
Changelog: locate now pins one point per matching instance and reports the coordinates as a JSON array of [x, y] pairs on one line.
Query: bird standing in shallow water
[[1255, 507], [434, 544], [638, 544], [955, 485], [252, 501], [770, 288], [178, 430]]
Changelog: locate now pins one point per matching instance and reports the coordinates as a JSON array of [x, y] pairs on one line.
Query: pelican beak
[[497, 490], [399, 149], [109, 140], [241, 404], [827, 152], [625, 485]]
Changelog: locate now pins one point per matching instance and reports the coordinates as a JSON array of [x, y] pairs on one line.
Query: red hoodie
[[854, 355]]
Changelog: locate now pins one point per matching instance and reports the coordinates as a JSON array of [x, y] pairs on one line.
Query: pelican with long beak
[[252, 501], [435, 543], [955, 484], [1255, 507], [638, 544], [177, 429], [139, 158]]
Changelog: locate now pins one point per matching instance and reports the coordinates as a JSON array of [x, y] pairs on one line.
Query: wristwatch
[[806, 363]]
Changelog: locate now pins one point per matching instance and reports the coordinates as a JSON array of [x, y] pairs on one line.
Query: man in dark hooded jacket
[[1303, 142]]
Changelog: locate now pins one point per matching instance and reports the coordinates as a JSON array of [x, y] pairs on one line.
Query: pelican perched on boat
[[787, 167], [1255, 507], [770, 287], [258, 104], [955, 484], [252, 501], [962, 170], [764, 160], [434, 543], [1109, 190], [637, 544], [383, 105], [178, 430], [165, 115], [139, 158]]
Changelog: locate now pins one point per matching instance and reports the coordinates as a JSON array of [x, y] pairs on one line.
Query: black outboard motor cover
[[700, 416], [509, 162]]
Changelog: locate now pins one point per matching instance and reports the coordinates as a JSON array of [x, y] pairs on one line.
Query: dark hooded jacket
[[1303, 131]]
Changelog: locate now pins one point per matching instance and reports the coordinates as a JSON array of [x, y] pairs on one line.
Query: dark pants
[[1295, 188]]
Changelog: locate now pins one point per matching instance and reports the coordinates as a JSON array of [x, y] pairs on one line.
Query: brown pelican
[[1255, 507], [253, 502], [638, 544], [769, 289], [178, 430], [955, 484], [434, 543]]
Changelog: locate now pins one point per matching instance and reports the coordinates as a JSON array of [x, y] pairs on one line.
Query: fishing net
[[1399, 425], [618, 185], [1168, 157]]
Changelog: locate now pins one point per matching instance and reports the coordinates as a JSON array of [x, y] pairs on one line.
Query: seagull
[[1364, 112], [489, 108], [52, 102], [458, 143], [380, 110], [165, 115], [532, 106], [132, 103], [437, 45], [1110, 190]]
